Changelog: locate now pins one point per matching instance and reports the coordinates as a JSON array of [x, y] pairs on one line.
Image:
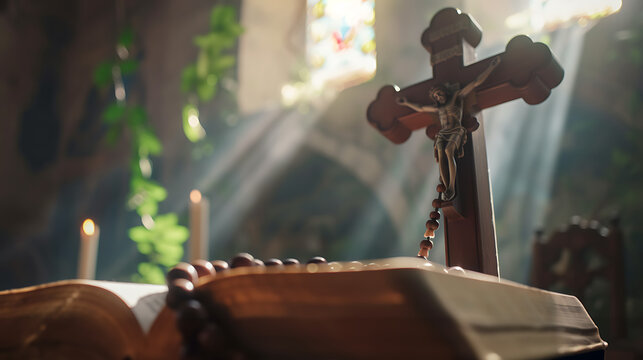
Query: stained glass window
[[340, 45]]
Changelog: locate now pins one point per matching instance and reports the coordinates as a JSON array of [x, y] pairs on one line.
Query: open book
[[392, 308], [82, 319]]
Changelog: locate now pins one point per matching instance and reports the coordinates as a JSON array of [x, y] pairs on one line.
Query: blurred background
[[117, 110]]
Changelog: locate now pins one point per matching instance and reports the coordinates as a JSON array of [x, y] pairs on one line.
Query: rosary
[[432, 224]]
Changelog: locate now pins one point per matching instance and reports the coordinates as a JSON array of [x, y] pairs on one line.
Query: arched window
[[340, 42]]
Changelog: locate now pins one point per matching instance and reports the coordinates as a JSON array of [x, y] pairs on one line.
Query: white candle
[[89, 233], [199, 226]]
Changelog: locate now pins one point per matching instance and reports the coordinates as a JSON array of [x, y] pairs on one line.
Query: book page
[[508, 320], [145, 300]]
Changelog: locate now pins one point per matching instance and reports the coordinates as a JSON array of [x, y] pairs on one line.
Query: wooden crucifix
[[525, 70]]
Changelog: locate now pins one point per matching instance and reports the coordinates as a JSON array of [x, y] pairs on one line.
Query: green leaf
[[176, 234], [167, 261], [214, 43], [206, 91], [223, 62], [151, 273], [128, 66], [168, 254], [148, 143], [188, 78], [202, 63], [137, 183], [113, 113], [205, 41], [139, 234], [148, 207], [222, 41], [103, 74], [126, 38], [144, 248], [155, 191], [193, 131], [149, 189], [165, 221], [212, 81], [190, 109], [223, 20], [113, 134], [222, 16], [137, 174], [232, 30], [137, 116]]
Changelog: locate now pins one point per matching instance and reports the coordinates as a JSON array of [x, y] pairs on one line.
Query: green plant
[[201, 79], [160, 237]]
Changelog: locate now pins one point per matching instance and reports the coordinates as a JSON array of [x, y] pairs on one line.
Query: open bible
[[390, 308], [82, 319]]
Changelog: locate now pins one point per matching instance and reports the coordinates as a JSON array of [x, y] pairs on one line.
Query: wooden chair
[[572, 260]]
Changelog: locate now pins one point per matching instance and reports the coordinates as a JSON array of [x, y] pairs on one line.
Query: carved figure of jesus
[[452, 136]]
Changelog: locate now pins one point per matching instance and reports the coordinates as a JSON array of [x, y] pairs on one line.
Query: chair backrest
[[576, 259]]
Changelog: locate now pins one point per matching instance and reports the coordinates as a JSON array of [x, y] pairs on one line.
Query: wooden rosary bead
[[426, 243], [317, 260], [258, 262], [470, 123], [182, 271], [211, 339], [440, 188], [434, 215], [220, 265], [203, 268], [425, 246], [178, 292], [242, 259], [291, 261], [191, 318], [273, 262], [436, 203], [432, 224]]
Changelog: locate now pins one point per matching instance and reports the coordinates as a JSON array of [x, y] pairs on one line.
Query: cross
[[527, 70]]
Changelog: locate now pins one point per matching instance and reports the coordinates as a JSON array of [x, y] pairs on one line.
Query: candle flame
[[195, 196], [89, 227]]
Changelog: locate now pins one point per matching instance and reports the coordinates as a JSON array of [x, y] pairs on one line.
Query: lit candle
[[89, 233], [199, 229]]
